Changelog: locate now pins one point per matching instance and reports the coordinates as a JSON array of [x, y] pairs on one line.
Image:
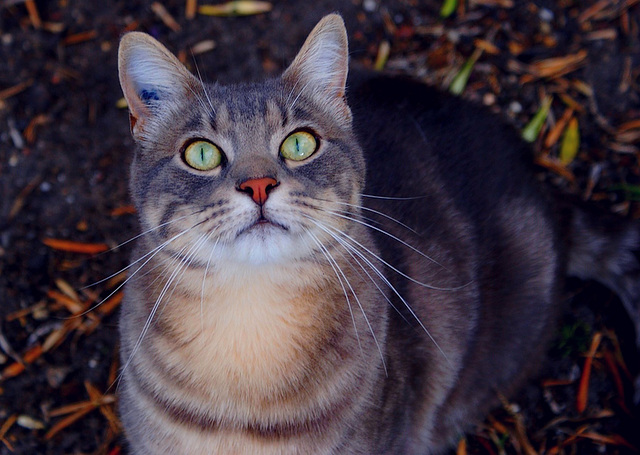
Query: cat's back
[[455, 183], [414, 134]]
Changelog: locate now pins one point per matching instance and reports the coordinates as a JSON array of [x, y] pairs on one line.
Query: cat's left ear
[[152, 79], [321, 67]]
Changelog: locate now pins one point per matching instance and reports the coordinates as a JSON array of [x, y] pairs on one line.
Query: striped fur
[[388, 287]]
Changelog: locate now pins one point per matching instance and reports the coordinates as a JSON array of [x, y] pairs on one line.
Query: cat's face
[[249, 173]]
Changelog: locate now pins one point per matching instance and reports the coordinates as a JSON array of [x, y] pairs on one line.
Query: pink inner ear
[[132, 121]]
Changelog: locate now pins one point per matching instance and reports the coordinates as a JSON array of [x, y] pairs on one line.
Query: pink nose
[[258, 189]]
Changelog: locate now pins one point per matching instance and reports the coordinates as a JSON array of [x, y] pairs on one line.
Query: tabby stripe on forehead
[[302, 114], [152, 173]]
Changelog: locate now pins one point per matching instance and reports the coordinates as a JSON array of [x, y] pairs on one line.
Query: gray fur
[[328, 320]]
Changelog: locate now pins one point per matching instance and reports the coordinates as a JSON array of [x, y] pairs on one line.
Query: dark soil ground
[[65, 149]]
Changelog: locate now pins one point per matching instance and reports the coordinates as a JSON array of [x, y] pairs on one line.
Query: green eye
[[203, 156], [298, 146]]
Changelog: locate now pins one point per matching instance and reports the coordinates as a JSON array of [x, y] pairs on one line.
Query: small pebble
[[29, 422], [515, 107], [369, 5], [45, 187], [545, 15], [489, 99]]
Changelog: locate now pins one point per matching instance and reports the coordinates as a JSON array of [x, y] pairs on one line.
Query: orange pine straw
[[70, 408], [583, 387], [75, 247], [79, 410], [64, 423], [123, 210], [12, 91], [107, 412], [34, 17], [6, 426], [80, 37], [111, 304], [555, 166], [556, 382], [630, 125], [18, 367], [70, 304], [462, 447], [190, 9], [556, 131], [613, 439]]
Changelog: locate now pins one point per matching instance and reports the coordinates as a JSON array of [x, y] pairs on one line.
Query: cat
[[334, 264]]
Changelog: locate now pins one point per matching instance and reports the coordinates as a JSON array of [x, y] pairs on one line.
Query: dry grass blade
[[80, 37], [20, 200], [462, 447], [383, 55], [12, 91], [64, 423], [556, 131], [236, 8], [593, 10], [72, 305], [558, 66], [34, 16], [108, 306], [164, 15], [123, 210], [75, 247], [493, 3], [190, 9], [555, 166], [76, 411], [101, 400], [583, 387], [18, 367], [30, 131], [6, 426]]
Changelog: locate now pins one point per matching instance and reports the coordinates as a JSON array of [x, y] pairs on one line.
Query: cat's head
[[255, 173]]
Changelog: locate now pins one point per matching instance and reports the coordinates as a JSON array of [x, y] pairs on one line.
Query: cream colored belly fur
[[240, 354]]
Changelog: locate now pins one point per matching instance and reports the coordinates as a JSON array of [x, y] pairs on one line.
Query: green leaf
[[460, 80], [532, 129], [570, 142], [632, 191], [448, 8]]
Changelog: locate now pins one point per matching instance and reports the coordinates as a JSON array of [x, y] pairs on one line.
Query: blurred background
[[564, 72]]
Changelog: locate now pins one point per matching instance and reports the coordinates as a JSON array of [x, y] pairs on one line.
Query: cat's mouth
[[262, 224]]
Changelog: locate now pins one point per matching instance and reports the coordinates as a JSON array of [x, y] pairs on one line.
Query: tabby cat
[[332, 265]]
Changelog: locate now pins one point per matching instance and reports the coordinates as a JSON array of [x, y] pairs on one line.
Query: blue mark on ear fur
[[149, 95]]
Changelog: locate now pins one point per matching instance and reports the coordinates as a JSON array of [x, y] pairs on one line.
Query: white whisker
[[391, 198], [204, 279], [148, 231], [151, 254], [350, 247], [364, 315], [204, 89], [338, 271], [382, 231]]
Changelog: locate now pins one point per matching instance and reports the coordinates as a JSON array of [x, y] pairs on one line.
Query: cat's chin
[[264, 243]]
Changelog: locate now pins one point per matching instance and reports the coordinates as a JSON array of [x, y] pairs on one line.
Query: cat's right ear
[[151, 77]]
